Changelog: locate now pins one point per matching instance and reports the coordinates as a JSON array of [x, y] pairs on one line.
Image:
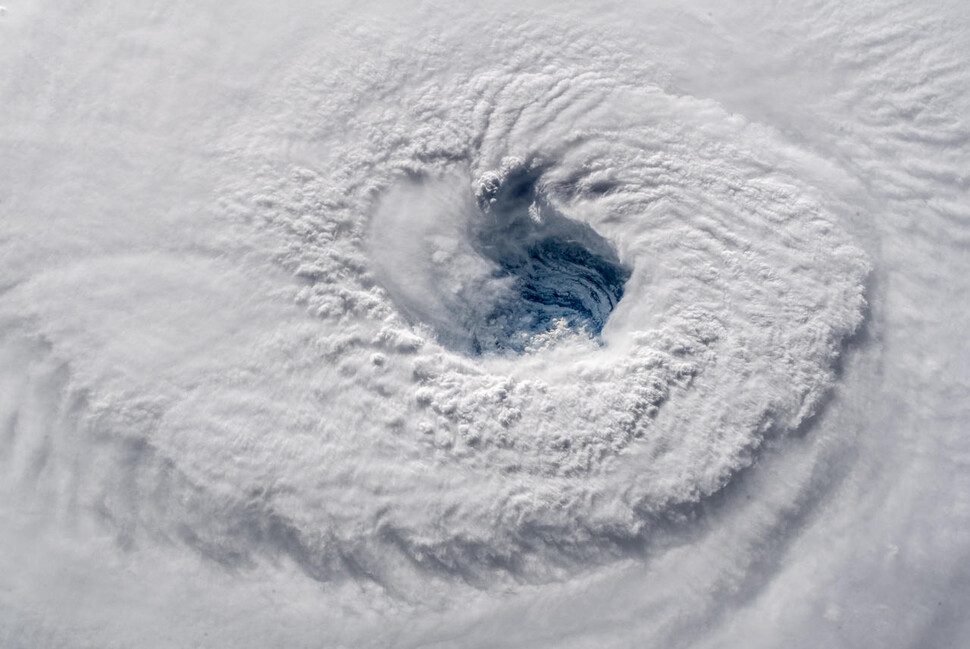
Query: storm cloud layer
[[355, 325]]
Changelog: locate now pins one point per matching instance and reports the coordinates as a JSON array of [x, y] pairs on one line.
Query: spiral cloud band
[[373, 325]]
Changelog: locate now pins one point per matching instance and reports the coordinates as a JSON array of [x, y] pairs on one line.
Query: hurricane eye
[[505, 272], [562, 272]]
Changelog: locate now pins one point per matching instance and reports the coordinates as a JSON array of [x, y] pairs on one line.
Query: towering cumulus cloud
[[396, 326]]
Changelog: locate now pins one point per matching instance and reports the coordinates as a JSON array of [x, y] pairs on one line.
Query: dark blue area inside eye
[[561, 270]]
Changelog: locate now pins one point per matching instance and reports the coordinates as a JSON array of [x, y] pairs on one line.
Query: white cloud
[[242, 256]]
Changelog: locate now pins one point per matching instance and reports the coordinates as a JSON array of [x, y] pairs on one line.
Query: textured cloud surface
[[379, 325]]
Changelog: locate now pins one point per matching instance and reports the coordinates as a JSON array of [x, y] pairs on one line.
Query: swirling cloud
[[561, 330]]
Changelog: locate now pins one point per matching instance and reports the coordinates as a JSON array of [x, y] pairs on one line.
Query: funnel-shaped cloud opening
[[494, 275]]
